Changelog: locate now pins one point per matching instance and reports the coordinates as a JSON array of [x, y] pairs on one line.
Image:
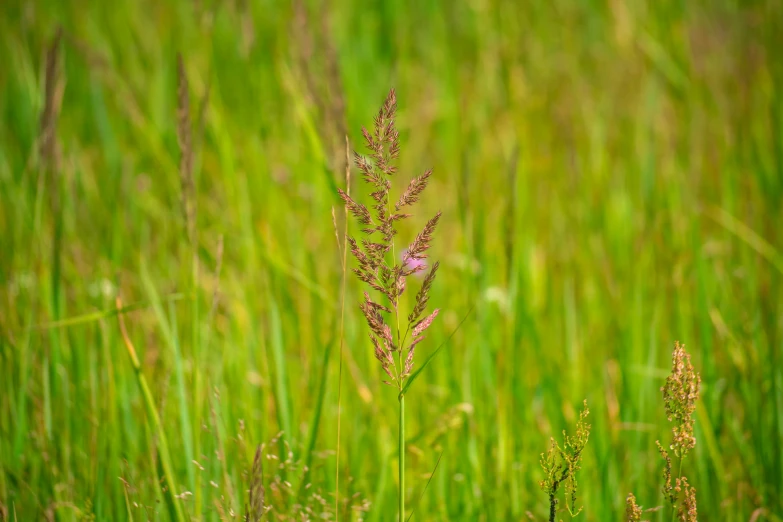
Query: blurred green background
[[611, 180]]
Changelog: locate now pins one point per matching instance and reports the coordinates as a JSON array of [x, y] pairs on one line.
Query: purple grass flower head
[[378, 266]]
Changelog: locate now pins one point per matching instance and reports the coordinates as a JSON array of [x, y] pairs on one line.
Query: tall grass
[[384, 274], [610, 179]]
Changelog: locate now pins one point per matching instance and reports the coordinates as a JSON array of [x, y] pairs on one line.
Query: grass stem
[[152, 412], [342, 329], [402, 458]]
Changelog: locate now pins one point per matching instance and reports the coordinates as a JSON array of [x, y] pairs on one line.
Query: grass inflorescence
[[680, 393], [560, 464], [380, 269]]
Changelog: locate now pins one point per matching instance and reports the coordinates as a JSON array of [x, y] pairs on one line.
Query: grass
[[161, 440], [610, 176], [386, 275]]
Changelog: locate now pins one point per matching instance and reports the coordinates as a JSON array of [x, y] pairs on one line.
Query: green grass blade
[[169, 331], [105, 314], [152, 412], [747, 235], [281, 373]]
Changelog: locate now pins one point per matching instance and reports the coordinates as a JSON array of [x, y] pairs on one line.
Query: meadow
[[610, 181]]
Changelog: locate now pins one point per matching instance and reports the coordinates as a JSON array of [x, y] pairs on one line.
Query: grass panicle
[[189, 209], [378, 266], [687, 511], [680, 393], [53, 94], [184, 139], [255, 508], [561, 463], [633, 512], [272, 496]]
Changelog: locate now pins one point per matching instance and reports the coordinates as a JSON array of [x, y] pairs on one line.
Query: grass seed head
[[560, 464], [186, 150], [255, 509], [375, 266], [680, 394], [687, 511], [633, 512], [668, 488], [51, 103]]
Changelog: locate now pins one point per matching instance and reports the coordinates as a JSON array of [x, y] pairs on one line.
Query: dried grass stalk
[[186, 151], [52, 102], [255, 508]]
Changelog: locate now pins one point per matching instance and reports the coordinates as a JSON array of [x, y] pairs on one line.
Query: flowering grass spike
[[380, 269], [680, 394], [560, 464]]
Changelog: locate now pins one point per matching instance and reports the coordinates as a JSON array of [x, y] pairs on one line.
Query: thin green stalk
[[127, 505], [402, 458], [418, 502], [197, 371], [281, 394], [400, 371], [103, 314], [396, 308], [184, 139], [342, 327], [152, 412]]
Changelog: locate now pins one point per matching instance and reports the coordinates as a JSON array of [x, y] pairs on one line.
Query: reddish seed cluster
[[375, 268]]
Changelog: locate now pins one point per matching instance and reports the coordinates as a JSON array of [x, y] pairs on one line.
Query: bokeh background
[[611, 180]]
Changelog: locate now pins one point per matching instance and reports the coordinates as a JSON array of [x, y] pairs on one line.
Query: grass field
[[611, 181]]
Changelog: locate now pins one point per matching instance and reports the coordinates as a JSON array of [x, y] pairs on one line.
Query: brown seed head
[[680, 394], [255, 508], [423, 295], [415, 188], [687, 511], [668, 488], [421, 244], [633, 513], [186, 150], [51, 106], [372, 253]]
